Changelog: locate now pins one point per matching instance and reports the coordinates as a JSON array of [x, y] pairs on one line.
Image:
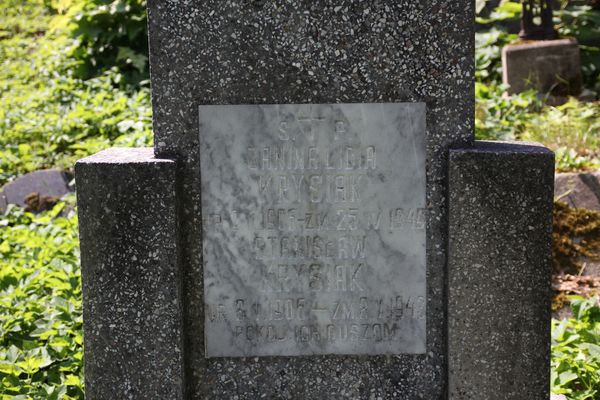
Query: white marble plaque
[[313, 221]]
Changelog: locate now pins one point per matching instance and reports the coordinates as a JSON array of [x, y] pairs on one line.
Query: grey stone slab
[[548, 66], [499, 293], [131, 282], [314, 229], [294, 52], [50, 182], [578, 189]]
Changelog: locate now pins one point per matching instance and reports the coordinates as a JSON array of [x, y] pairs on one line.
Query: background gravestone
[[49, 184], [230, 79]]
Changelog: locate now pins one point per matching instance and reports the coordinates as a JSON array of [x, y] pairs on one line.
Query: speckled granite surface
[[499, 271], [278, 52], [131, 289]]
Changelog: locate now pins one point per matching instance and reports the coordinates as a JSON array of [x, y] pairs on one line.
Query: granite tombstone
[[301, 230]]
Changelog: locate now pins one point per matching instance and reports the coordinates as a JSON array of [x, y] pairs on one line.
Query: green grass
[[48, 116], [571, 130]]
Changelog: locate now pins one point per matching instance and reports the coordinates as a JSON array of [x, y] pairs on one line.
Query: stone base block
[[499, 271], [579, 189], [44, 185], [131, 283], [550, 67]]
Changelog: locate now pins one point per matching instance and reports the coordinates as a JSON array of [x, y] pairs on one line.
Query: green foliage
[[572, 20], [571, 130], [40, 305], [576, 352], [50, 117], [507, 10], [499, 117], [112, 33], [488, 47], [26, 18], [583, 23]]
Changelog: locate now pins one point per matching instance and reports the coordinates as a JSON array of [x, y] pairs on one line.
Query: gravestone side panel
[[237, 52], [499, 270], [314, 229], [131, 285]]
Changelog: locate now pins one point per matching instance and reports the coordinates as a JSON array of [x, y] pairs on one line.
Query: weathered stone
[[51, 183], [314, 229], [295, 52], [548, 66], [579, 189], [415, 60], [130, 276], [500, 230]]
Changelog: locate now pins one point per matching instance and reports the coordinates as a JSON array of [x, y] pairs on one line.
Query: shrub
[[112, 33]]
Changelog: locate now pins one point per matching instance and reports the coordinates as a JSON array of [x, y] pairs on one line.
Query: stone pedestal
[[132, 306], [499, 271], [550, 67], [498, 295]]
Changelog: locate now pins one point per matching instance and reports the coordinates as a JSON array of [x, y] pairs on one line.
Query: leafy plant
[[576, 351], [112, 33], [40, 305], [583, 23], [507, 10], [500, 117], [49, 116], [488, 48]]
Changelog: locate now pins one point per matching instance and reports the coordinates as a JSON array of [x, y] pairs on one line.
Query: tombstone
[[579, 189], [39, 187], [315, 220], [552, 67], [541, 60]]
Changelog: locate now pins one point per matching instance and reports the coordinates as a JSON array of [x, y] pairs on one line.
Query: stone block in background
[[499, 270], [578, 189], [36, 188], [130, 277], [549, 66]]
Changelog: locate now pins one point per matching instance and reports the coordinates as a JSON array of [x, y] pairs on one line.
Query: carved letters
[[317, 245]]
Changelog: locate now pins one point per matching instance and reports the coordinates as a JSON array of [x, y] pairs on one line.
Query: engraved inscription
[[313, 220]]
